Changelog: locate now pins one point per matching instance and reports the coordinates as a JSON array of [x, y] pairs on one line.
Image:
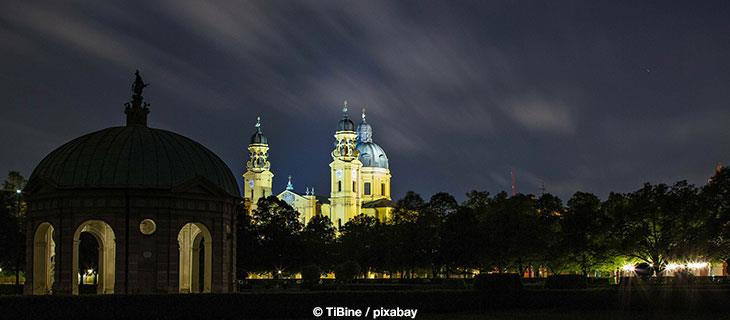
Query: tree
[[278, 228], [553, 253], [715, 198], [247, 245], [511, 233], [402, 234], [657, 222], [12, 219], [428, 225], [358, 241], [460, 238], [318, 239], [584, 230], [407, 209]]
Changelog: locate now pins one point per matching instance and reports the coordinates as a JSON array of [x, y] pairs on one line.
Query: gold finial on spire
[[258, 122], [363, 114], [344, 108]]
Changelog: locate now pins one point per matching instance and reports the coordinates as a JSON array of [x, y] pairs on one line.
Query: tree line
[[657, 224]]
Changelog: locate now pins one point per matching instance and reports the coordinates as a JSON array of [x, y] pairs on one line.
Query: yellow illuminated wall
[[306, 205], [258, 176]]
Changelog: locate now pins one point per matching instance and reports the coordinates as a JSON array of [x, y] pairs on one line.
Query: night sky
[[595, 97]]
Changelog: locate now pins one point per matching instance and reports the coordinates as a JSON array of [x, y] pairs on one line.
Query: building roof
[[133, 157], [258, 137], [380, 203], [372, 155]]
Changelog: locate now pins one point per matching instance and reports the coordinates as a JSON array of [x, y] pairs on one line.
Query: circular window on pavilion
[[147, 227]]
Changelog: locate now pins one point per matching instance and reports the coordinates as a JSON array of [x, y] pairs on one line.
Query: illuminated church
[[359, 176]]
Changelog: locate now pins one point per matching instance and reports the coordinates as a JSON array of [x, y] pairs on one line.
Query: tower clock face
[[338, 173], [250, 183], [289, 198]]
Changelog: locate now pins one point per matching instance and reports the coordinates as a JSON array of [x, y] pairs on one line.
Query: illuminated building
[[359, 176]]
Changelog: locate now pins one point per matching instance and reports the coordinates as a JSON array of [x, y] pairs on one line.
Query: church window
[[366, 188], [382, 189], [339, 186], [353, 186]]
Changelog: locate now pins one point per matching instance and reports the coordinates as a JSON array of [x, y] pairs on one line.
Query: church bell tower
[[345, 167], [258, 176]]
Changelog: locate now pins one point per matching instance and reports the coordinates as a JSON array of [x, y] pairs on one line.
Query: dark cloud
[[578, 96]]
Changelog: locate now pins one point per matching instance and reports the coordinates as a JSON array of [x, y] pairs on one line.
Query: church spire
[[289, 185], [136, 110], [344, 109], [364, 130]]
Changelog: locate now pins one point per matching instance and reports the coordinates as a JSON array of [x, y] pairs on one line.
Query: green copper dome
[[133, 157]]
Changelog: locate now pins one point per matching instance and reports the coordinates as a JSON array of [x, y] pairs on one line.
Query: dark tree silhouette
[[278, 228]]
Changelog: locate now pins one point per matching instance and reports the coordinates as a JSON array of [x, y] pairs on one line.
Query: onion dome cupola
[[258, 151], [346, 138], [258, 137], [371, 154], [345, 124], [364, 130]]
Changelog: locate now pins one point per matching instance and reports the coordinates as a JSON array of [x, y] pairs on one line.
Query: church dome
[[346, 125], [258, 137], [372, 155], [135, 157]]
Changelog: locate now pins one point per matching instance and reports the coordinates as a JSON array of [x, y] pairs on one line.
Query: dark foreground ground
[[638, 303]]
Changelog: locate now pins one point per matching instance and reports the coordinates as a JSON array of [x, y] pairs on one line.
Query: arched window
[[353, 187], [382, 189], [339, 186], [366, 188]]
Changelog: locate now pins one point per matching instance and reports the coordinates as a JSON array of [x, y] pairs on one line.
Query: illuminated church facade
[[359, 177]]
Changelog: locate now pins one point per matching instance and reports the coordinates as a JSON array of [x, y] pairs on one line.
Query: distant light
[[629, 267], [697, 265], [89, 271], [673, 266], [18, 191], [279, 271]]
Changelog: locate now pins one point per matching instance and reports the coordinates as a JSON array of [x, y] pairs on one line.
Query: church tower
[[258, 177], [375, 170], [345, 167], [374, 175]]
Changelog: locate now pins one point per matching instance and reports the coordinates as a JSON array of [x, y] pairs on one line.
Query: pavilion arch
[[104, 235], [44, 256], [189, 239]]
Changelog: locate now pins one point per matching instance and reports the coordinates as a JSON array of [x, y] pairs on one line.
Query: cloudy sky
[[596, 97]]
